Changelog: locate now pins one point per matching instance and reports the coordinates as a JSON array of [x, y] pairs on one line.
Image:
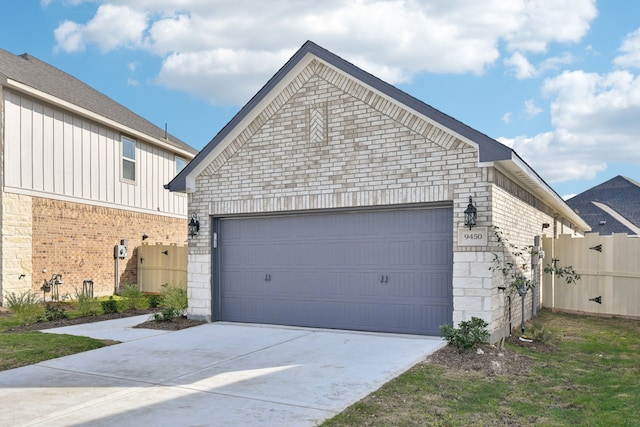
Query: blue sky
[[556, 80]]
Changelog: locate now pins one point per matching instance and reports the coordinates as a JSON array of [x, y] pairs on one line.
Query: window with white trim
[[180, 164], [128, 159]]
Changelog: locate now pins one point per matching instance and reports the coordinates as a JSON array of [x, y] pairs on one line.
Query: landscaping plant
[[54, 312], [468, 335], [24, 307], [109, 306], [174, 303], [87, 305], [134, 298]]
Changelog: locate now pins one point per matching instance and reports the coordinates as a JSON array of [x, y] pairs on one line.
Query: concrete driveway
[[218, 374]]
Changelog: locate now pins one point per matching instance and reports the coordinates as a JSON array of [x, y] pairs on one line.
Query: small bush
[[468, 336], [87, 305], [54, 312], [134, 298], [173, 297], [167, 314], [174, 301], [541, 333], [25, 307], [110, 306], [155, 301]]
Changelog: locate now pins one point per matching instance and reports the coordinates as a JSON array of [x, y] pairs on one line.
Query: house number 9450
[[473, 236]]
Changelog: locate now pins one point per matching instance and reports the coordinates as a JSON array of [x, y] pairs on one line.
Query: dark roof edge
[[489, 149]]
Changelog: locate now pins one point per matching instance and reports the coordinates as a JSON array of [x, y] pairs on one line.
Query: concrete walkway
[[218, 374]]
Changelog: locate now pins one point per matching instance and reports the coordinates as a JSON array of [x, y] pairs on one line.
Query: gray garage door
[[387, 271]]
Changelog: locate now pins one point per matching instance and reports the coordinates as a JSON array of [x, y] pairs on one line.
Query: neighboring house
[[333, 199], [80, 173], [610, 207]]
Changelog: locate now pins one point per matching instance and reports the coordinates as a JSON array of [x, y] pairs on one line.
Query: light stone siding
[[199, 289], [16, 245]]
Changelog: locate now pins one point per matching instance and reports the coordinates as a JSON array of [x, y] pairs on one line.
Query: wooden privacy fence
[[161, 264], [609, 267]]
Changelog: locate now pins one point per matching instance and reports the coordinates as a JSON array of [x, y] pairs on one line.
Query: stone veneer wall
[[17, 263], [364, 151], [77, 241]]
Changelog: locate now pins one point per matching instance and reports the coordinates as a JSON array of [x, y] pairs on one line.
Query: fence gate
[[609, 268], [161, 264]]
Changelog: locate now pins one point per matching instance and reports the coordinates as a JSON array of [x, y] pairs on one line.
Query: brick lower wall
[[78, 240]]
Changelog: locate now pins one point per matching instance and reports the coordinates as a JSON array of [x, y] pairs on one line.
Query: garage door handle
[[267, 277], [384, 279]]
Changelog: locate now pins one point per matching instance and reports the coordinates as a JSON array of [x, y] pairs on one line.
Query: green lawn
[[26, 348], [590, 378]]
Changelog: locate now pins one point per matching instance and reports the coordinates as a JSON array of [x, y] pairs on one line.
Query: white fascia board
[[21, 87]]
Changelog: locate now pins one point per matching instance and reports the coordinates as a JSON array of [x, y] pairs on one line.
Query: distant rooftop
[[610, 207], [46, 78]]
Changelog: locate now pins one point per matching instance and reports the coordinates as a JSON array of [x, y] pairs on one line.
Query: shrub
[[167, 314], [542, 333], [174, 301], [174, 297], [87, 305], [110, 306], [468, 336], [134, 298], [155, 301], [25, 307], [54, 312]]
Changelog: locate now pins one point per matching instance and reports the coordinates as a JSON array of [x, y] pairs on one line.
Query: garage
[[372, 270]]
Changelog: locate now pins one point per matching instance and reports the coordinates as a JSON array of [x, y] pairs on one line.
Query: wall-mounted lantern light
[[194, 225], [470, 215]]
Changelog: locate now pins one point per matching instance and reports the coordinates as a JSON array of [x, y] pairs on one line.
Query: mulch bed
[[174, 325], [489, 360]]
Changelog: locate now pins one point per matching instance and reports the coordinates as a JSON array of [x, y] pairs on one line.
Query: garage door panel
[[384, 271]]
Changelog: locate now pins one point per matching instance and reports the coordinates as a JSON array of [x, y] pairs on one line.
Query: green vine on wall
[[514, 268]]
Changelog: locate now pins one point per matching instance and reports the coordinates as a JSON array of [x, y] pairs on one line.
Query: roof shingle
[[620, 194]]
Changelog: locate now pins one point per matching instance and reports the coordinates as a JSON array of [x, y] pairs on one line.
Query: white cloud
[[226, 45], [112, 27], [225, 73], [546, 21], [595, 117], [630, 51], [69, 37], [506, 117], [521, 66], [531, 109]]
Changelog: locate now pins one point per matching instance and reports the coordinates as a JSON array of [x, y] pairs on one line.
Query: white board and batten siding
[[53, 153]]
